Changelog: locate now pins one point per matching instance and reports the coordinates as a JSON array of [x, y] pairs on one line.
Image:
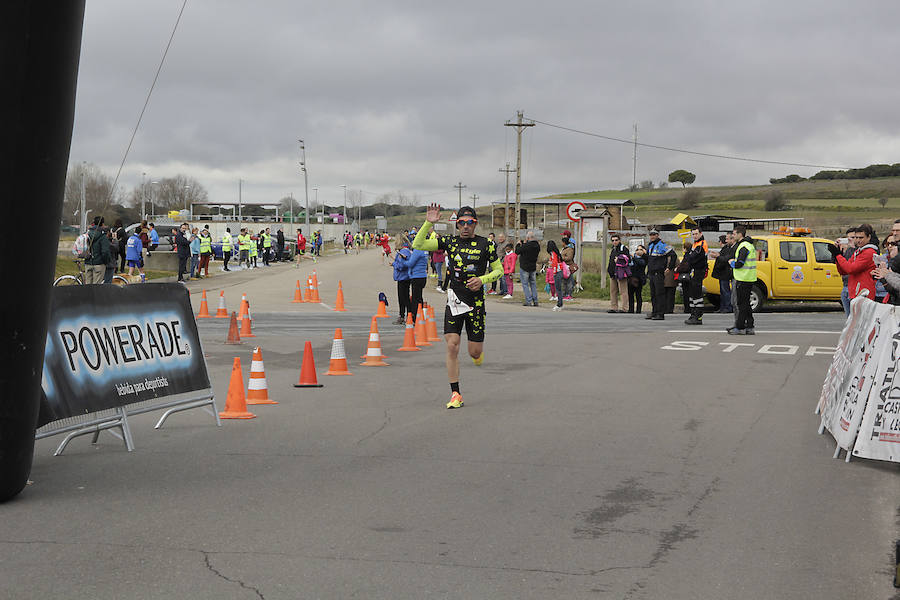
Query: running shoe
[[507, 297], [479, 360], [456, 400]]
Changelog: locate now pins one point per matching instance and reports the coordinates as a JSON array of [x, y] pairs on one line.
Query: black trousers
[[670, 300], [403, 296], [416, 287], [657, 293], [182, 267], [743, 316], [693, 290], [635, 299], [226, 256]]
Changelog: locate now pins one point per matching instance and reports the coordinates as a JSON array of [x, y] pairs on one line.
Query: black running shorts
[[474, 321]]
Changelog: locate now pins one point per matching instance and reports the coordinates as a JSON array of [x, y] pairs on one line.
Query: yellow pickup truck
[[789, 267]]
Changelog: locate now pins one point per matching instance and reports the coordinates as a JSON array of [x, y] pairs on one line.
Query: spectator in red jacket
[[858, 267]]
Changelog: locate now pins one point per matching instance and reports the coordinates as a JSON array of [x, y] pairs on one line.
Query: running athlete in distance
[[471, 262]]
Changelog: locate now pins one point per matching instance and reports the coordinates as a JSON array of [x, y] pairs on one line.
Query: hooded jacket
[[858, 270]]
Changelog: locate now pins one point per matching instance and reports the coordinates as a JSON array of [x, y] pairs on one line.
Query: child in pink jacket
[[509, 267]]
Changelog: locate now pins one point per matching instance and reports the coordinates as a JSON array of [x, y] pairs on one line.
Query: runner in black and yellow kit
[[471, 262]]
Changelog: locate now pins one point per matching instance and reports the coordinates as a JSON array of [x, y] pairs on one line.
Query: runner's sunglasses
[[461, 222]]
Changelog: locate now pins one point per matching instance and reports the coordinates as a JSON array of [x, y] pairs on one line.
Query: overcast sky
[[412, 96]]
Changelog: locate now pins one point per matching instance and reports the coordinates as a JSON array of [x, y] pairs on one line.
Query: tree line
[[870, 172]]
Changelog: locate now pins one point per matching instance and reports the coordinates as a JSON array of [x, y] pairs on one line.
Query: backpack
[[82, 246]]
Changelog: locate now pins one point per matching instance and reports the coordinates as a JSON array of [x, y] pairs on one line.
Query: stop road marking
[[779, 349]]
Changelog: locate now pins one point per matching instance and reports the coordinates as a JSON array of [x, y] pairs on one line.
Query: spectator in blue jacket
[[401, 276], [133, 252], [418, 276]]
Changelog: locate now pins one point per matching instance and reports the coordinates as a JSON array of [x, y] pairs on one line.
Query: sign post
[[572, 211]]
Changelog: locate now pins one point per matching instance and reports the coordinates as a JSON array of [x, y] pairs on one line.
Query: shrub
[[690, 199], [774, 201]]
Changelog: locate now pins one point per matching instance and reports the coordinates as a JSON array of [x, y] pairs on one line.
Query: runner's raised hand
[[433, 214]]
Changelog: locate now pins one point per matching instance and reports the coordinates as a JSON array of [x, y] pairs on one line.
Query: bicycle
[[79, 279]]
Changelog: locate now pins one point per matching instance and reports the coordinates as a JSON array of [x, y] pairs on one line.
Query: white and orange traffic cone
[[338, 363], [242, 311], [374, 357], [409, 336], [204, 308], [222, 312], [257, 386], [298, 294], [421, 334], [246, 331], [235, 402]]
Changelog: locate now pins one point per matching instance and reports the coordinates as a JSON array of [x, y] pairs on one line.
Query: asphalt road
[[597, 456]]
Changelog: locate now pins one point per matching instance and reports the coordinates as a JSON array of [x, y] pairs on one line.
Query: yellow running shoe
[[479, 360], [456, 400]]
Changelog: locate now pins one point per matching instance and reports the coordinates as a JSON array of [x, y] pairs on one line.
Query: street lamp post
[[143, 195], [152, 183], [186, 188], [345, 203], [83, 202], [316, 203], [305, 184]]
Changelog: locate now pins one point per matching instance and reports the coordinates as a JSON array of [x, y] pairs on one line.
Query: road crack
[[218, 573]]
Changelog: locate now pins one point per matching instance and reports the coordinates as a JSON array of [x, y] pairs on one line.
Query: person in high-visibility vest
[[744, 267], [244, 247], [254, 249], [205, 251], [226, 247], [267, 246]]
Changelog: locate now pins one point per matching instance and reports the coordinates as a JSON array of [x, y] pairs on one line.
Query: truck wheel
[[715, 300], [757, 298]]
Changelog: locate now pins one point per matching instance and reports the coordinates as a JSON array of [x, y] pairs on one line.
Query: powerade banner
[[109, 346], [860, 401]]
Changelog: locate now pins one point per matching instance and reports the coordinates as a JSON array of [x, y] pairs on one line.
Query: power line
[[683, 151], [146, 101]]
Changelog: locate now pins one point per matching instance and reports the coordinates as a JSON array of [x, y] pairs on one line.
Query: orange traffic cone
[[307, 294], [339, 303], [234, 336], [338, 363], [235, 403], [374, 357], [421, 334], [245, 324], [257, 386], [222, 312], [315, 289], [409, 336], [308, 370], [382, 311], [204, 308], [298, 294], [431, 326], [243, 309]]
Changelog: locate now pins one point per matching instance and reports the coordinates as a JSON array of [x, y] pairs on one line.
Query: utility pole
[[507, 170], [240, 201], [143, 195], [634, 162], [305, 188], [474, 198], [345, 203], [520, 126], [459, 186], [83, 202]]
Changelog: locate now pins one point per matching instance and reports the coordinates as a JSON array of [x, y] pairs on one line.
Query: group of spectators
[[410, 273], [111, 249], [869, 266]]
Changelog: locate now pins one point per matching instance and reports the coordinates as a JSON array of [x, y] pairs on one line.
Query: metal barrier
[[117, 418]]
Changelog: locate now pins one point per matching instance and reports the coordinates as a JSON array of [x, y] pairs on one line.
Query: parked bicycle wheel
[[119, 281], [68, 280]]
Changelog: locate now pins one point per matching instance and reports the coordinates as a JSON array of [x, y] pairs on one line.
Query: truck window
[[822, 253], [762, 249], [793, 251]]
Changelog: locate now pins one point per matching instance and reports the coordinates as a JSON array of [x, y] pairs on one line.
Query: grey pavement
[[597, 456]]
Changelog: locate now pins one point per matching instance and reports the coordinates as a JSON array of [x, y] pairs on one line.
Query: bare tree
[[174, 193], [97, 186]]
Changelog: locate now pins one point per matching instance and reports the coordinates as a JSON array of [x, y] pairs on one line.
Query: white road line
[[325, 305], [811, 332]]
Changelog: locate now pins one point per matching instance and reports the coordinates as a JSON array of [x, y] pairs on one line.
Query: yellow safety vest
[[267, 240], [205, 244], [747, 273], [244, 242], [226, 242], [252, 247]]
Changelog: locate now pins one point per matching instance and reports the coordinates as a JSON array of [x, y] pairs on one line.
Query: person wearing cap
[[660, 260], [471, 262], [567, 254]]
